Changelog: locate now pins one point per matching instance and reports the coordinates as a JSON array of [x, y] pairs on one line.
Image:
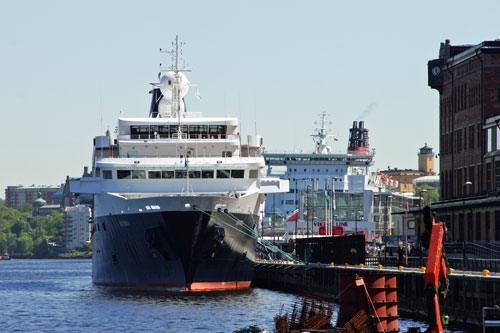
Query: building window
[[472, 178], [465, 138], [497, 138], [460, 185], [497, 174], [497, 225], [487, 226], [469, 227], [488, 176], [471, 136], [489, 139], [461, 227], [478, 226], [479, 135]]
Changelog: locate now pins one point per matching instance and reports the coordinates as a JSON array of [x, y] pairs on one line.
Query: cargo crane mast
[[436, 273]]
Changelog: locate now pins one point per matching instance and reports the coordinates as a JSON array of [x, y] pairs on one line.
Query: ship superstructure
[[176, 198], [331, 194]]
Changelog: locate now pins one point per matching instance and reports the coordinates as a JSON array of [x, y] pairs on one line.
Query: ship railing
[[475, 249], [192, 115], [462, 264], [182, 136], [491, 318]]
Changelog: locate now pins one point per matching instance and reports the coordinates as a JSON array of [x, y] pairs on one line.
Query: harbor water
[[58, 295]]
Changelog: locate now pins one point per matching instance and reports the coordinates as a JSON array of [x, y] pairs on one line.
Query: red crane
[[436, 273]]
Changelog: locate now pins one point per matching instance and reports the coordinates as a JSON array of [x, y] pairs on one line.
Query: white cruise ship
[[176, 198], [331, 193]]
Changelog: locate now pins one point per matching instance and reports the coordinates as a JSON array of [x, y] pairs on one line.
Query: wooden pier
[[468, 292]]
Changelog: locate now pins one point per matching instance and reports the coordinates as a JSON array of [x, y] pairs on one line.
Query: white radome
[[167, 82]]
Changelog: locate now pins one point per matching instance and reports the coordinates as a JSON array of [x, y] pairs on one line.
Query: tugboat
[[176, 198]]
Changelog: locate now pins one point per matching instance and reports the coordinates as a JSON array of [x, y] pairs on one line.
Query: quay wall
[[467, 294]]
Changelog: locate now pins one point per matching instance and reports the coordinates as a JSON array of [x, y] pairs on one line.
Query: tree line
[[27, 235]]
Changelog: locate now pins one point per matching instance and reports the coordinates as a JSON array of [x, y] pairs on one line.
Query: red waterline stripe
[[228, 285], [195, 286]]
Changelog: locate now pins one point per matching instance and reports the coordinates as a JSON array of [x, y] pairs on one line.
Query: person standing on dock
[[401, 254]]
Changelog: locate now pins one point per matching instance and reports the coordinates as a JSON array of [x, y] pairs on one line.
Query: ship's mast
[[175, 53], [177, 93], [321, 136]]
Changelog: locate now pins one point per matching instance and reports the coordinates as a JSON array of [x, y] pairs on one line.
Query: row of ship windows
[[317, 179], [177, 174], [316, 170], [165, 131], [336, 159]]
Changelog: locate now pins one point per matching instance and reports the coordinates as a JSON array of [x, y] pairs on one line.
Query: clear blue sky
[[64, 65]]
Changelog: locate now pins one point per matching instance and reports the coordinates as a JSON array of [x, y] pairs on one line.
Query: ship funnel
[[359, 143]]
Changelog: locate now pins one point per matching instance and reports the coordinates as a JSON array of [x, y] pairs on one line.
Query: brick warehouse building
[[467, 78]]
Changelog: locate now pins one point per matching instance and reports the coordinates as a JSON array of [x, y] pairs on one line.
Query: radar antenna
[[321, 136], [174, 52], [174, 85]]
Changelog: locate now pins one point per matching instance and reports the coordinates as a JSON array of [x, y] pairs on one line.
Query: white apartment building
[[76, 227]]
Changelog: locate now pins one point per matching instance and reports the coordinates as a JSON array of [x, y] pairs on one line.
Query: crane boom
[[436, 273]]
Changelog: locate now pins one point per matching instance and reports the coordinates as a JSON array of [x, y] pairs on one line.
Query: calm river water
[[58, 295]]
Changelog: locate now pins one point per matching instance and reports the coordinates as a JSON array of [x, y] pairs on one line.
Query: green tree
[[9, 214], [24, 244], [19, 227], [428, 193], [53, 225], [2, 202], [42, 248], [11, 243], [3, 243]]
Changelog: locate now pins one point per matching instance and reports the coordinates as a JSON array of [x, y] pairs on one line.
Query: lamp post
[[297, 206], [406, 234], [356, 217], [420, 198], [297, 200], [386, 225], [356, 223], [308, 191], [467, 185]]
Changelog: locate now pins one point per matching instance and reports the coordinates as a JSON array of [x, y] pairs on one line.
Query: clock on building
[[436, 71]]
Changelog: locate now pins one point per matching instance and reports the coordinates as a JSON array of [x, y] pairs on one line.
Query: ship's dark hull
[[173, 250]]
